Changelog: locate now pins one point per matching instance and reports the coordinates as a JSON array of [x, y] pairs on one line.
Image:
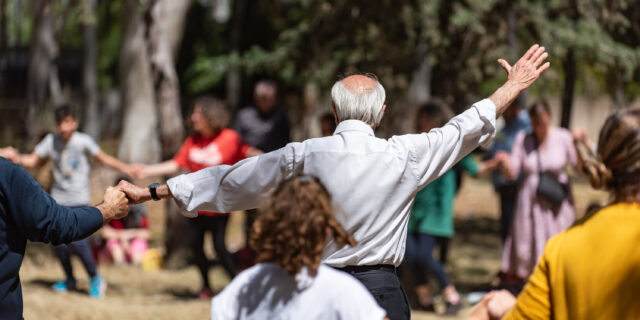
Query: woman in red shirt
[[210, 144]]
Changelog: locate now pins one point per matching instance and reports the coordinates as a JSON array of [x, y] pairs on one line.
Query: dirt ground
[[170, 294]]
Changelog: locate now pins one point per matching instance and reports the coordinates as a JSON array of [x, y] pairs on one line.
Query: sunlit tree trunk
[[43, 51], [165, 79], [139, 141], [92, 116], [175, 13], [164, 23]]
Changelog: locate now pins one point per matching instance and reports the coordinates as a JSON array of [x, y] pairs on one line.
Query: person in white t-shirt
[[289, 281]]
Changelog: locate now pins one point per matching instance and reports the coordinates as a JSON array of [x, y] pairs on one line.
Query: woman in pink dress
[[536, 219]]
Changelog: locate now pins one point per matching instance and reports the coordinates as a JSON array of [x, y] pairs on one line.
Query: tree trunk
[[92, 116], [175, 13], [3, 26], [139, 141], [616, 87], [43, 51], [570, 73], [234, 77], [164, 23], [165, 79]]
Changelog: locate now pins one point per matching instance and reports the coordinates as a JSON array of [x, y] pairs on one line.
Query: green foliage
[[109, 38], [315, 40]]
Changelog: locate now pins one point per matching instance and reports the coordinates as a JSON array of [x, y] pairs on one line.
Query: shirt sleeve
[[242, 186], [182, 157], [91, 146], [44, 147], [469, 165], [433, 153], [40, 218]]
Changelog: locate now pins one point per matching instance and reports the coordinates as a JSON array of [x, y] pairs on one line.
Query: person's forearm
[[162, 191], [28, 160], [168, 167], [112, 162], [254, 152], [504, 96]]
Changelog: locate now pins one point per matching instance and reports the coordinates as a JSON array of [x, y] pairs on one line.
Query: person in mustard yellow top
[[592, 270]]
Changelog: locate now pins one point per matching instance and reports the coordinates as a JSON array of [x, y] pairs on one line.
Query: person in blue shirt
[[516, 119], [29, 213]]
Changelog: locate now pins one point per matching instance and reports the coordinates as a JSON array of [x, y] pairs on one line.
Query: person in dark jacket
[[264, 126], [29, 213]]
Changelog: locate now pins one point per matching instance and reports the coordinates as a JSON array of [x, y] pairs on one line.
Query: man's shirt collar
[[353, 125]]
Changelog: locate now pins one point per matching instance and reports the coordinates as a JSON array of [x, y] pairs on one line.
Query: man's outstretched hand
[[520, 76], [527, 70], [114, 205], [134, 193]]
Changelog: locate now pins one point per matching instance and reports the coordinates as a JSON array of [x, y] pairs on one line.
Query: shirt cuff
[[182, 190], [487, 113]]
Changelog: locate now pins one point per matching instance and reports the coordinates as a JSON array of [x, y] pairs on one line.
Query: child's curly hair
[[293, 230]]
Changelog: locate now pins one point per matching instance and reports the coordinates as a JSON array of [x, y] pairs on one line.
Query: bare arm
[[254, 152], [520, 76], [167, 168], [29, 161], [112, 162], [488, 166]]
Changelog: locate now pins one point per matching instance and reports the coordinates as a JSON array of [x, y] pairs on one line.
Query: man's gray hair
[[365, 106]]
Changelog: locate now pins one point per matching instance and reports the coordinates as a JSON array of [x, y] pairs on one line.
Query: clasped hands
[[117, 200], [10, 153]]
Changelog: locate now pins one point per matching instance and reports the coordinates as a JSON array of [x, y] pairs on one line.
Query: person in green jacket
[[431, 218]]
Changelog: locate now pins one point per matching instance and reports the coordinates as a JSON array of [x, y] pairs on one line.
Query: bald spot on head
[[359, 84]]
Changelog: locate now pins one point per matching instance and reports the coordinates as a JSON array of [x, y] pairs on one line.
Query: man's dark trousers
[[384, 285]]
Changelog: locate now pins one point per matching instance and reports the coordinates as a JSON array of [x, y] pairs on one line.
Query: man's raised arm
[[520, 76], [441, 148]]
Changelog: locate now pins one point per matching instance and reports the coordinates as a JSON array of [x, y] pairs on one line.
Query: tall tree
[[139, 141], [165, 79], [44, 49], [92, 123]]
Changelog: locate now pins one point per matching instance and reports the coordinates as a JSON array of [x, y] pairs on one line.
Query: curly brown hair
[[214, 111], [294, 229]]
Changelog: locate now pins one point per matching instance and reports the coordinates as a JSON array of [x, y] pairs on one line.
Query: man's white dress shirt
[[372, 181]]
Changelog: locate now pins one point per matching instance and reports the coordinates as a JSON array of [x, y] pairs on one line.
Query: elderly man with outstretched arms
[[372, 181]]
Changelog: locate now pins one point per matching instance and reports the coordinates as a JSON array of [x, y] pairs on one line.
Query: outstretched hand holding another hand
[[114, 205], [134, 193]]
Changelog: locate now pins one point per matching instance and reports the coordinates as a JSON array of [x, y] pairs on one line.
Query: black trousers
[[508, 197], [383, 284], [217, 225]]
